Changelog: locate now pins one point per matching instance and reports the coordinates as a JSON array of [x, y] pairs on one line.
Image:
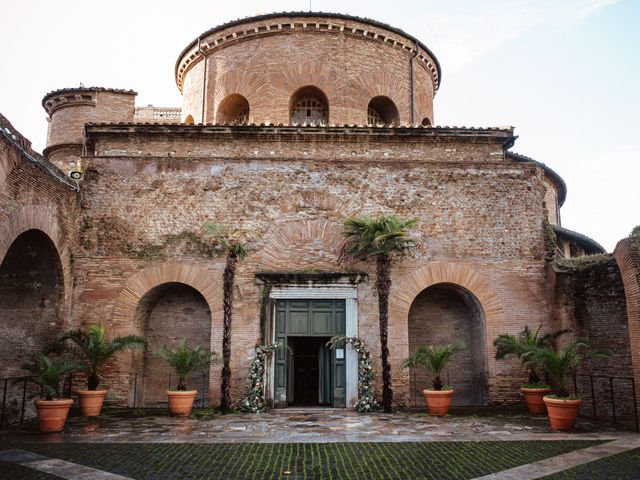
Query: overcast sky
[[564, 73]]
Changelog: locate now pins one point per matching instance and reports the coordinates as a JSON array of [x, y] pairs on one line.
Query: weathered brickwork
[[590, 300], [37, 215], [128, 250], [268, 59]]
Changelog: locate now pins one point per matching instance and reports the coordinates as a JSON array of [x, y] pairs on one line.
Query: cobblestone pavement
[[321, 443]]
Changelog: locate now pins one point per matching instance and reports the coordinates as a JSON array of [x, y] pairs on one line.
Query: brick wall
[[268, 66], [591, 301], [441, 315]]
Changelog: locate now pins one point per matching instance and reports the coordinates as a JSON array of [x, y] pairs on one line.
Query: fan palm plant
[[47, 373], [523, 346], [564, 362], [185, 360], [434, 359], [234, 251], [92, 349], [379, 238]]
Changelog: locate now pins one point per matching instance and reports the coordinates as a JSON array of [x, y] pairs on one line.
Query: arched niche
[[189, 120], [441, 314], [233, 108], [426, 122], [382, 111], [308, 106], [164, 316], [31, 293]]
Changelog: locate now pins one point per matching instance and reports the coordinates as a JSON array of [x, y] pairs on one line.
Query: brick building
[[290, 124]]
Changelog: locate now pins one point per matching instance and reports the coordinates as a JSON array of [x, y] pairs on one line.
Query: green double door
[[307, 372]]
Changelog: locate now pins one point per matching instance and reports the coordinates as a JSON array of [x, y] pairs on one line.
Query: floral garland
[[255, 402], [366, 399]]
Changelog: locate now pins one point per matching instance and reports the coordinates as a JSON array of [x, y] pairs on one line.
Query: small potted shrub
[[47, 373], [434, 359], [522, 347], [184, 361], [92, 349], [562, 406]]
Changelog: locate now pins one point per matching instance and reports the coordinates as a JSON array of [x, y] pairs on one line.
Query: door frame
[[348, 293]]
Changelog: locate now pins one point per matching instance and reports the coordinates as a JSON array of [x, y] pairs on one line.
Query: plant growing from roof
[[185, 360], [91, 347], [234, 250], [434, 359], [523, 345], [380, 238]]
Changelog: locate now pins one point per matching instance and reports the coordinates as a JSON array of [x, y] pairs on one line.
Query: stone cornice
[[502, 136], [281, 23]]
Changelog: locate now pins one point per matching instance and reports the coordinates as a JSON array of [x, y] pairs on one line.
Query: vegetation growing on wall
[[550, 241], [585, 262]]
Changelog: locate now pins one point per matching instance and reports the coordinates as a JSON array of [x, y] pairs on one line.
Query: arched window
[[382, 111], [189, 120], [426, 122], [233, 109], [309, 106]]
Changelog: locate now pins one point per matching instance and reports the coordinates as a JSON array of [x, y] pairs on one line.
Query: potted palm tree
[[92, 349], [47, 373], [434, 359], [522, 346], [562, 406], [184, 361], [379, 238]]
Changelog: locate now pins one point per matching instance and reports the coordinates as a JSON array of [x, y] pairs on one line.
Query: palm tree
[[522, 347], [566, 361], [185, 360], [92, 348], [379, 238], [47, 372], [234, 251], [434, 359]]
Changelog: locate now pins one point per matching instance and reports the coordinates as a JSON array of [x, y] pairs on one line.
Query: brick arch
[[407, 289], [241, 82], [381, 85], [44, 219], [627, 256], [202, 280], [322, 237]]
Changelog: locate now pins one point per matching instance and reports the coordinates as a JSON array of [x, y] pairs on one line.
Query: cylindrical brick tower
[[307, 68], [70, 108]]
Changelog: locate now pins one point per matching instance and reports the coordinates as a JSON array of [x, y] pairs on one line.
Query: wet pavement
[[306, 425]]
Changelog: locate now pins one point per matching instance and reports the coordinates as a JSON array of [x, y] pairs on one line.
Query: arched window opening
[[426, 122], [233, 109], [165, 315], [309, 106], [31, 286], [445, 313], [382, 111], [189, 120]]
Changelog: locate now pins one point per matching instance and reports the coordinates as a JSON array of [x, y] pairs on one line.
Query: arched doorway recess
[[445, 313], [31, 289], [165, 315]]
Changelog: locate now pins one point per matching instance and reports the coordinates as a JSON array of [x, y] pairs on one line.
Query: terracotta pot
[[562, 413], [181, 403], [52, 414], [533, 398], [438, 401], [91, 402]]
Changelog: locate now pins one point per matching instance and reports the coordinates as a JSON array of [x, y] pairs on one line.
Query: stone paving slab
[[559, 463], [57, 467], [311, 426]]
